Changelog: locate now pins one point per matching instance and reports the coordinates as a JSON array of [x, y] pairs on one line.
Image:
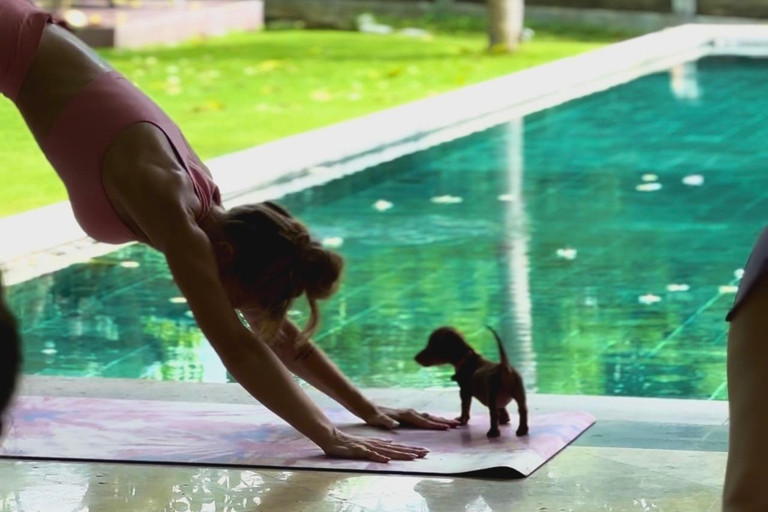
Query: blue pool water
[[536, 226]]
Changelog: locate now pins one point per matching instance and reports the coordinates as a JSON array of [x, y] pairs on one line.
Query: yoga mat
[[89, 429]]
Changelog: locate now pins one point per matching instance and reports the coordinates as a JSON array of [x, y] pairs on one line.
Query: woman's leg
[[746, 478]]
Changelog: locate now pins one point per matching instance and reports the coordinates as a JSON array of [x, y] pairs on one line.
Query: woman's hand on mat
[[389, 418], [347, 446]]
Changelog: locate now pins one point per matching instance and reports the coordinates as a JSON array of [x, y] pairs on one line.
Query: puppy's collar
[[463, 360]]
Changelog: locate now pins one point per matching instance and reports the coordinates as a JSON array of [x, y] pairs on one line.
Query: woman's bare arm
[[310, 363], [252, 363], [172, 229], [247, 357]]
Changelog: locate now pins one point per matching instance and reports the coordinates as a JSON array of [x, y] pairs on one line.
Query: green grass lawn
[[241, 90]]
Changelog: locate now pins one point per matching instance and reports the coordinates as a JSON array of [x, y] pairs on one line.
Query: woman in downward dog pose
[[131, 176]]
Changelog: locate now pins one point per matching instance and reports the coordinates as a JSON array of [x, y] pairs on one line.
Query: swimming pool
[[602, 237]]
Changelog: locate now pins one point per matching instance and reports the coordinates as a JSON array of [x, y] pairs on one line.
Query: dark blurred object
[[10, 355]]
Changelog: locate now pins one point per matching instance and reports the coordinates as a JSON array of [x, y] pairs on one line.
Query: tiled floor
[[642, 455], [579, 480]]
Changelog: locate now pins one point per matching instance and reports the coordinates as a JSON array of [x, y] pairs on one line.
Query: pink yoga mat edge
[[249, 436]]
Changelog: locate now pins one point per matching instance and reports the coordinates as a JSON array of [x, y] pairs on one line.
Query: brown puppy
[[493, 384]]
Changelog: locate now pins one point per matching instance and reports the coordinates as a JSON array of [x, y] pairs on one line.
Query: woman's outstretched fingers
[[413, 451], [399, 453], [374, 455], [427, 422], [383, 421], [417, 419], [413, 454], [438, 423], [443, 421], [433, 425], [348, 446]]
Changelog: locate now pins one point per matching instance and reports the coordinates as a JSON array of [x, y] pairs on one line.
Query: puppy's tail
[[504, 359]]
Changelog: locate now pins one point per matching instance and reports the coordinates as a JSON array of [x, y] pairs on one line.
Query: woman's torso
[[62, 72]]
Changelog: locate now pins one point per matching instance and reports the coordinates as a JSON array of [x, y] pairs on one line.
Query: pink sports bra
[[81, 137], [88, 125]]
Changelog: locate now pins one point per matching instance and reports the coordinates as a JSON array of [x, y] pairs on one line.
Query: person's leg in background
[[746, 478], [10, 355]]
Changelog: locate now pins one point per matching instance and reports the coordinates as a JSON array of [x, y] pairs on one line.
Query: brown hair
[[275, 261], [10, 356]]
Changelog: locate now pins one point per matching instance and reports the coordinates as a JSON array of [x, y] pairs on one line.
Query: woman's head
[[268, 259], [10, 356]]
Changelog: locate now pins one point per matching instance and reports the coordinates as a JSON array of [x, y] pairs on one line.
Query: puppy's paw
[[462, 420], [494, 432], [503, 417], [522, 430]]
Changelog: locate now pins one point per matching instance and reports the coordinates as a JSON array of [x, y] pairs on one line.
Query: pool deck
[[141, 24], [642, 454]]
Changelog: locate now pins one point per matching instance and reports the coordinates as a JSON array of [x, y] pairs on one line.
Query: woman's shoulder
[[143, 177]]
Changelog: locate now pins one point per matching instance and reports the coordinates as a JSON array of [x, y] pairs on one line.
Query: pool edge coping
[[639, 410]]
